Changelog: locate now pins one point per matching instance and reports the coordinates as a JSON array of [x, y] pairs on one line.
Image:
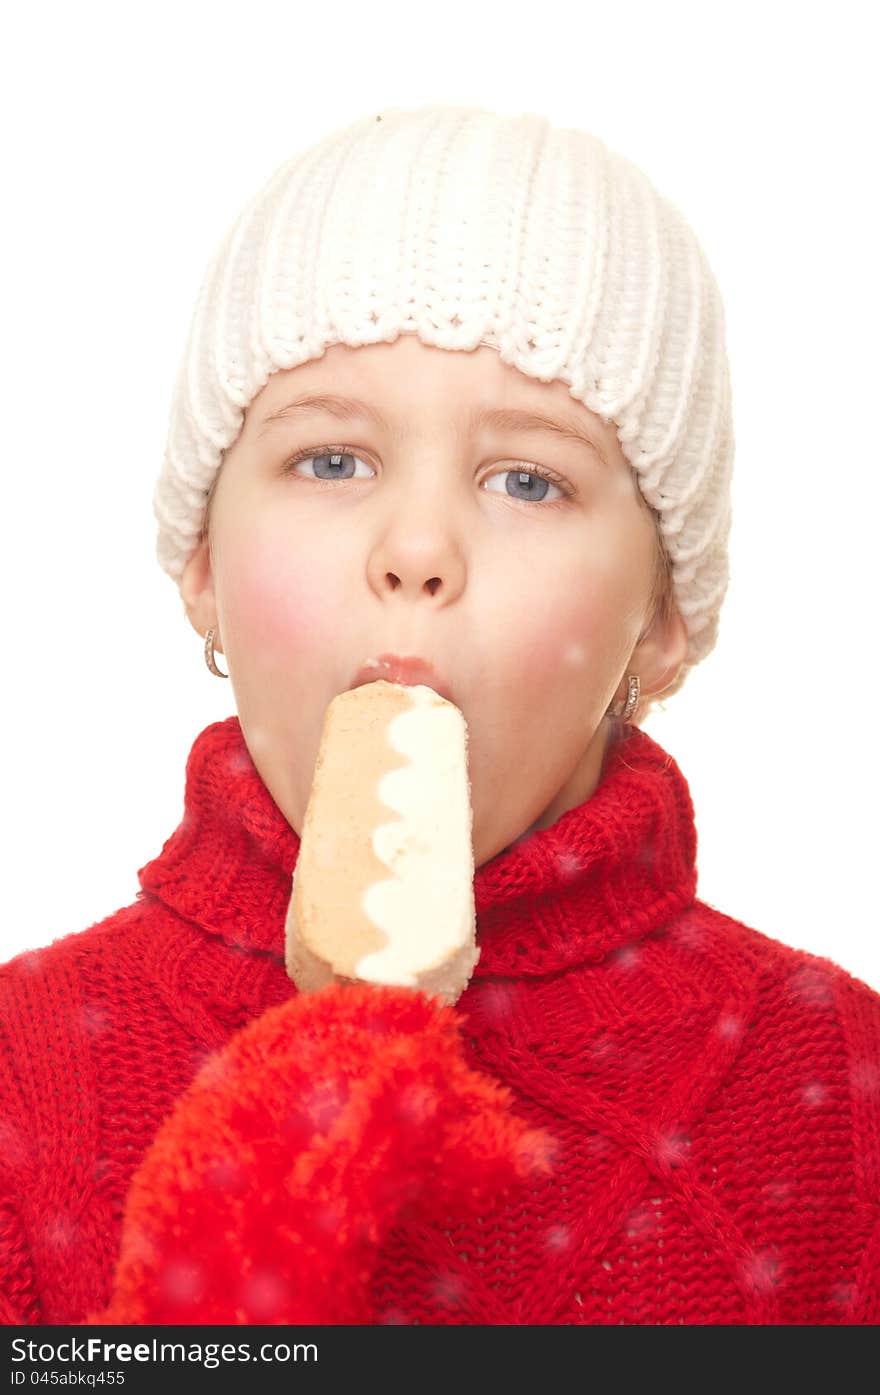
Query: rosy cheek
[[564, 638], [591, 636], [278, 599]]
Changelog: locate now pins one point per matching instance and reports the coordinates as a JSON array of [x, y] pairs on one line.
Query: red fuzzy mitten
[[267, 1192]]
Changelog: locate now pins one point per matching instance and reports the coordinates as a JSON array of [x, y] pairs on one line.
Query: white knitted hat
[[465, 226]]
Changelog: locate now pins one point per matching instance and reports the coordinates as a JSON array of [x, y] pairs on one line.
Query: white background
[[131, 140]]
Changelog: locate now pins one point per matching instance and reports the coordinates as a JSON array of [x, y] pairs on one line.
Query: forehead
[[408, 376]]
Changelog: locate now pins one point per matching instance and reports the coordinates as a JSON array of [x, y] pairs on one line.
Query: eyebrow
[[502, 418]]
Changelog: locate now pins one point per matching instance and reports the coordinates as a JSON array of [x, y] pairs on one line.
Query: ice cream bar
[[383, 888]]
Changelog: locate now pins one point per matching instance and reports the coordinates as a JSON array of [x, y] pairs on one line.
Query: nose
[[419, 553]]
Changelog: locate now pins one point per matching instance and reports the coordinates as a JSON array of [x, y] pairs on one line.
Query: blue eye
[[331, 464], [527, 480], [335, 456]]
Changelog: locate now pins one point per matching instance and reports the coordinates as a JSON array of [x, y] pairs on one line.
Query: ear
[[660, 653], [197, 592]]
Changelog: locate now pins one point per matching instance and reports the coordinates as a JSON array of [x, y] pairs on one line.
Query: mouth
[[409, 671]]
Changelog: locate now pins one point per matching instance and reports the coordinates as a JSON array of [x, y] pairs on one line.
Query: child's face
[[528, 603]]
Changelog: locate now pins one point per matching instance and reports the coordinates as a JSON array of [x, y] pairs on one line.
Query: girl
[[456, 391]]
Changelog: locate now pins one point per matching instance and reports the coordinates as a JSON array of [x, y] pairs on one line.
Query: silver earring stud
[[632, 698], [209, 655]]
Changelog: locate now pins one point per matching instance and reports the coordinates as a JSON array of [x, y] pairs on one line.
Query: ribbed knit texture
[[467, 226], [712, 1097]]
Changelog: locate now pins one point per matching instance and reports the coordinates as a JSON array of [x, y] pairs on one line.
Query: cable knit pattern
[[710, 1098], [467, 227]]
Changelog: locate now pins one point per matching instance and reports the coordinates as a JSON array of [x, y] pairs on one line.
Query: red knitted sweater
[[640, 1110]]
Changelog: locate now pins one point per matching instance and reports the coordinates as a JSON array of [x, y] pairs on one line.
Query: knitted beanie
[[468, 227]]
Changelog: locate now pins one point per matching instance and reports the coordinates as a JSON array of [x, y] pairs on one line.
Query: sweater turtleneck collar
[[607, 872]]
